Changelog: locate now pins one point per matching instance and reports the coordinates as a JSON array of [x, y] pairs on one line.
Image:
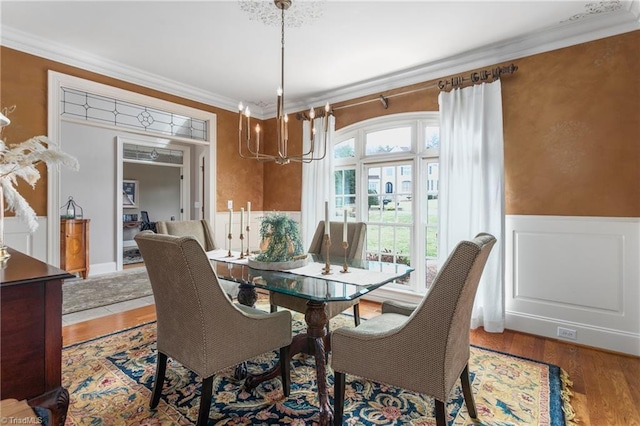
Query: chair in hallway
[[146, 225], [424, 348], [201, 230], [356, 234], [199, 327]]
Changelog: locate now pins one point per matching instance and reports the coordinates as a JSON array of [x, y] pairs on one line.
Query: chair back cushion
[[199, 229], [356, 236], [184, 288], [443, 319]]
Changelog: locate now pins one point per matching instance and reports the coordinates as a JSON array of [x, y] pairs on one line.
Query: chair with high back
[[147, 225], [356, 234], [201, 230], [199, 327], [424, 349]]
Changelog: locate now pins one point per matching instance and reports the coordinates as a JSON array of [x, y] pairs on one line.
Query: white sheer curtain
[[317, 183], [472, 187]]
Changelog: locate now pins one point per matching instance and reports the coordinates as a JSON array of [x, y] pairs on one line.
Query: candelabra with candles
[[345, 267], [241, 233], [327, 264]]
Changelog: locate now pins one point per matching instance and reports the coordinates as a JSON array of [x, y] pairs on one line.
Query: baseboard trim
[[587, 335], [102, 268]]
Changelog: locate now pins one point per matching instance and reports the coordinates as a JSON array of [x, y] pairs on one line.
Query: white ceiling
[[215, 52]]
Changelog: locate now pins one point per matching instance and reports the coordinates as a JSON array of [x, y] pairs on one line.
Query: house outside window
[[386, 174]]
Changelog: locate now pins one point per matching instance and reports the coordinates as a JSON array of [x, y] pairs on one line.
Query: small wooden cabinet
[[74, 246]]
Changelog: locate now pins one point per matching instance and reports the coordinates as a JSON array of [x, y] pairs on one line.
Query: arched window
[[386, 174]]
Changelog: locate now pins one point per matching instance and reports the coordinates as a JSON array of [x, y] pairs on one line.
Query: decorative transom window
[[103, 109]]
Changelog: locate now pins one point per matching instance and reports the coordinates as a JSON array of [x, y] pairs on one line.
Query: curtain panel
[[317, 182], [472, 187]]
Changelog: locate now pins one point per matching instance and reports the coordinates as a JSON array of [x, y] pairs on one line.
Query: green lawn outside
[[379, 233]]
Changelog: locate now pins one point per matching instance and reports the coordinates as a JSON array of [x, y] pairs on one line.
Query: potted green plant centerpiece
[[281, 244]]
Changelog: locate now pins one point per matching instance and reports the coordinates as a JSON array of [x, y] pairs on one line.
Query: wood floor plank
[[630, 366], [598, 387], [606, 385]]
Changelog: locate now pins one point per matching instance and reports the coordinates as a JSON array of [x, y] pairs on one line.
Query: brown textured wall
[[283, 183], [571, 128], [23, 82], [571, 131]]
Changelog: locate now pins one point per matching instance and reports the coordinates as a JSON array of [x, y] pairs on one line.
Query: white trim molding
[[577, 273], [18, 237], [576, 32], [58, 80]]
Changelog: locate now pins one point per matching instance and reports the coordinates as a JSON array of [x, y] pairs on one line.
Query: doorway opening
[[156, 186]]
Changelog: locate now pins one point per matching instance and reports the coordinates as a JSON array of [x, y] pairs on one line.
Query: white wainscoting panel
[[579, 273], [18, 237]]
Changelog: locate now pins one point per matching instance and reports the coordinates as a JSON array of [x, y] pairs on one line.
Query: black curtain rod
[[451, 83]]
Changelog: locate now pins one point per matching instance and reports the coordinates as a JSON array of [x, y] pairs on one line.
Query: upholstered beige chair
[[200, 229], [197, 325], [356, 234], [424, 349], [202, 232]]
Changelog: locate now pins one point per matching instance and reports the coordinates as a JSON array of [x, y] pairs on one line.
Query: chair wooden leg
[[285, 369], [441, 413], [161, 368], [205, 401], [338, 397], [468, 393], [356, 314], [274, 308]]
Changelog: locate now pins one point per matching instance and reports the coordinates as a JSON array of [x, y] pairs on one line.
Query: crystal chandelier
[[249, 147]]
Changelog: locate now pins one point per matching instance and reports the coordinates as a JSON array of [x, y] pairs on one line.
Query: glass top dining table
[[308, 282]]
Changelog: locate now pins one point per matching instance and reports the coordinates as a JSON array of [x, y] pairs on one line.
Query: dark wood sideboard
[[30, 327]]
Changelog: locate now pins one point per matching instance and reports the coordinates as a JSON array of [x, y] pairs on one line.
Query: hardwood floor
[[606, 386]]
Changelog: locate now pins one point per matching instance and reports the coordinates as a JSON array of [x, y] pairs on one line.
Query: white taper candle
[[344, 227], [326, 218]]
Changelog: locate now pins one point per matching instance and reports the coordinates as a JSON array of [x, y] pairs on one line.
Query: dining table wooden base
[[313, 342], [307, 283]]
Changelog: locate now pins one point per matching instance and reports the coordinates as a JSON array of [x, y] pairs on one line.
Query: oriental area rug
[[110, 380]]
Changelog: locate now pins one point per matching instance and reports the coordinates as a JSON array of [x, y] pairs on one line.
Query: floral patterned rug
[[110, 380]]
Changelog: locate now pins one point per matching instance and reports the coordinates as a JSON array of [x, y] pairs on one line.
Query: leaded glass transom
[[104, 109]]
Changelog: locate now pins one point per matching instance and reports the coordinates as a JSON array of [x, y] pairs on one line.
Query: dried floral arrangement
[[282, 236], [20, 161]]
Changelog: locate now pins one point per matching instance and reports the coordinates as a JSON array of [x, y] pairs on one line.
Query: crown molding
[[28, 43], [568, 34]]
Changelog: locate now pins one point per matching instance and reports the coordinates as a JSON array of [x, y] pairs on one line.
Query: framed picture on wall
[[129, 194]]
